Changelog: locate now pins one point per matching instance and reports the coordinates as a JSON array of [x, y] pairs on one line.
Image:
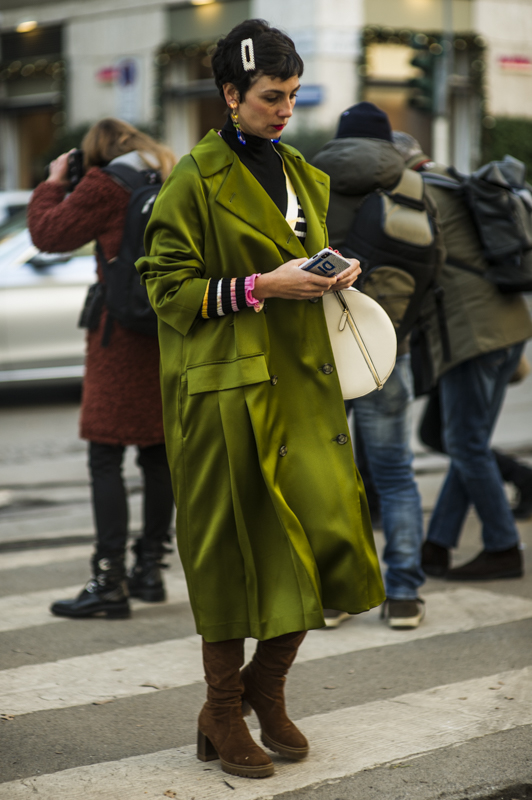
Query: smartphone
[[326, 263]]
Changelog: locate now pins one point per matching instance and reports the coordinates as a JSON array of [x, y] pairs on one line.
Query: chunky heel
[[205, 751]]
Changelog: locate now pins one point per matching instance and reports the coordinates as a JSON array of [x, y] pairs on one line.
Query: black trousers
[[109, 497]]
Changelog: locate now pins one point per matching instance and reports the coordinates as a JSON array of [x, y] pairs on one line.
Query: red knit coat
[[121, 393]]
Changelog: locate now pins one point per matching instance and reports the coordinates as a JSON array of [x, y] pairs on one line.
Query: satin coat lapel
[[243, 196]]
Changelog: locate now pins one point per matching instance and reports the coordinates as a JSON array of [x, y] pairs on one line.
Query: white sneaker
[[333, 618], [403, 613]]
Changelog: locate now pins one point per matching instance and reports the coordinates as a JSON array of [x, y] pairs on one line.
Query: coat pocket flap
[[227, 374]]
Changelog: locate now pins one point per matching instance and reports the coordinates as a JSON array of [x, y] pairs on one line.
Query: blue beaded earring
[[236, 123]]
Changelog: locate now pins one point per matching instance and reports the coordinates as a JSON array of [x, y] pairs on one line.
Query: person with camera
[[121, 403]]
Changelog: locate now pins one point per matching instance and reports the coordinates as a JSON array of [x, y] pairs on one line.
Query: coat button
[[314, 300], [283, 450], [327, 369], [273, 380], [342, 438]]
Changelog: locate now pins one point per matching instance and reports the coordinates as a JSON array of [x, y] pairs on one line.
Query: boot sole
[[207, 752], [149, 595], [110, 613], [293, 753], [264, 771]]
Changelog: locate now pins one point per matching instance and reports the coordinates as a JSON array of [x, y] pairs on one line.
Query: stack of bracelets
[[227, 295]]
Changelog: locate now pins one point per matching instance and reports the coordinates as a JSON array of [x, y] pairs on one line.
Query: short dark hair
[[275, 55]]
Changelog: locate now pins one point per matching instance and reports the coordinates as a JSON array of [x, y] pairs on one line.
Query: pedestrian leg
[[145, 580], [264, 679], [222, 730], [105, 594]]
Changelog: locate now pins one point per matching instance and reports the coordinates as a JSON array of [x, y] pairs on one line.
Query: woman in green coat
[[272, 521]]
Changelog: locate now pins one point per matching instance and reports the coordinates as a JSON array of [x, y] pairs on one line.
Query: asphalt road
[[107, 710]]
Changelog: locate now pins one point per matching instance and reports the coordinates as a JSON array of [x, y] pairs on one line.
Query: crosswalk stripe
[[46, 536], [343, 743], [40, 558], [168, 664], [32, 609]]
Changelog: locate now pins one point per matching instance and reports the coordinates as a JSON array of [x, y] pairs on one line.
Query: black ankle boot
[[523, 510], [489, 566], [145, 579], [434, 559], [104, 595]]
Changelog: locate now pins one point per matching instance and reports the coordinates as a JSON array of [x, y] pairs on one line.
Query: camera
[[75, 169]]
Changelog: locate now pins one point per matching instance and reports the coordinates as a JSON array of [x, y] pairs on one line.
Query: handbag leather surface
[[363, 340]]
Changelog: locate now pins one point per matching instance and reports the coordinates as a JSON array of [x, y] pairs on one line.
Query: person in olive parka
[[272, 518], [487, 332]]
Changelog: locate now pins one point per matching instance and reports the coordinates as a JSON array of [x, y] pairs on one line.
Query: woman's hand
[[292, 283], [59, 170], [347, 278]]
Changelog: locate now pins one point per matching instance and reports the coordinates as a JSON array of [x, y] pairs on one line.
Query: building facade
[[66, 63]]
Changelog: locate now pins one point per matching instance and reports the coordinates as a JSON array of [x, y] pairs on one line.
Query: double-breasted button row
[[283, 450], [342, 438], [327, 369]]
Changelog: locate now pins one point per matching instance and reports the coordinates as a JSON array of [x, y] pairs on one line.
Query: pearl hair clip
[[248, 54]]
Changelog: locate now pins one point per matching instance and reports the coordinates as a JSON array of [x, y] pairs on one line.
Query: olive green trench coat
[[272, 521]]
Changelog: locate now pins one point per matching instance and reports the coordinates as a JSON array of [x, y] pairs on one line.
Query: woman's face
[[267, 106]]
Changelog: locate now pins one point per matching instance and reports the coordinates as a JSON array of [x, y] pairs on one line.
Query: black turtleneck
[[262, 160]]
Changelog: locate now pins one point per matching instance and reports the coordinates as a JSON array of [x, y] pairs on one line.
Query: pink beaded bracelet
[[249, 285]]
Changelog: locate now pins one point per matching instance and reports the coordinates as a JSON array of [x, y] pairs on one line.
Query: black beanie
[[364, 120]]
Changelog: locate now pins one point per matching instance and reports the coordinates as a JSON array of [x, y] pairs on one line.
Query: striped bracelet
[[223, 297]]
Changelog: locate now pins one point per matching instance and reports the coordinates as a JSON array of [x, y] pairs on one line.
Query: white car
[[13, 202], [41, 297]]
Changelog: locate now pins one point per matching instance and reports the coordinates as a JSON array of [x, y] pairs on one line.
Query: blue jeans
[[383, 420], [471, 396]]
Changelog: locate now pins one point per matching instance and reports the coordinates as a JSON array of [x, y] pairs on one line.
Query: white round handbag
[[363, 341]]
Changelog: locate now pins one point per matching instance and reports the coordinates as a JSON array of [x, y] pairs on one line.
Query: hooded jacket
[[357, 166]]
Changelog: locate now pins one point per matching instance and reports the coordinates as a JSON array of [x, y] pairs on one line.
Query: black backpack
[[122, 293], [393, 236], [501, 206]]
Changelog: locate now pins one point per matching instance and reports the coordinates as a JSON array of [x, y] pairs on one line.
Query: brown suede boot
[[222, 731], [264, 678]]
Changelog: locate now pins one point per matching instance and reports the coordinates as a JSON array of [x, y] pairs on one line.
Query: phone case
[[326, 263]]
